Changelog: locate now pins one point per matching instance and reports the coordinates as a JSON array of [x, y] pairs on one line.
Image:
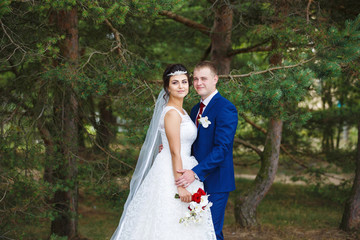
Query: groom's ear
[[216, 78]]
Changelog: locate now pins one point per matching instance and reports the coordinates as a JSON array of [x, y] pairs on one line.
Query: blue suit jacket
[[213, 147]]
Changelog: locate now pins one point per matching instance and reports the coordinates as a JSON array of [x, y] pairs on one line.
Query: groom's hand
[[187, 177], [161, 147]]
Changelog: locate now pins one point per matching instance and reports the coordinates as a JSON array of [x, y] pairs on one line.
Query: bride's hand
[[184, 194]]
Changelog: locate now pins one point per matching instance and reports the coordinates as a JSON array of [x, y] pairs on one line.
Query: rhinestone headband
[[178, 72]]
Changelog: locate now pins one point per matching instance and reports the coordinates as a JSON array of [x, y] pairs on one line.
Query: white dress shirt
[[207, 100]]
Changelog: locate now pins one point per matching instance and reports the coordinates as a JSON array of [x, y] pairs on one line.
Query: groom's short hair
[[208, 64]]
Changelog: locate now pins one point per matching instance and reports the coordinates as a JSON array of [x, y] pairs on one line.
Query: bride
[[151, 211]]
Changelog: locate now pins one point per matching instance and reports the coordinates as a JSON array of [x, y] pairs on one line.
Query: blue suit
[[213, 149]]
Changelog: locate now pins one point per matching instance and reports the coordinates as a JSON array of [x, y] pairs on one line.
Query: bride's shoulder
[[171, 111]]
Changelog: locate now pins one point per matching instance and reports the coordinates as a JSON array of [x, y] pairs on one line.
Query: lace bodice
[[188, 132]]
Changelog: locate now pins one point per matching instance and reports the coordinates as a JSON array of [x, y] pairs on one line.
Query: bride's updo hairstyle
[[172, 70]]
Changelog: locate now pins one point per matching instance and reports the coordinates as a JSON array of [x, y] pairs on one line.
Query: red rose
[[201, 192], [196, 197]]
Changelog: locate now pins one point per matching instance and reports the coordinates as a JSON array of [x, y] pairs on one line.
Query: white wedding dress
[[154, 213]]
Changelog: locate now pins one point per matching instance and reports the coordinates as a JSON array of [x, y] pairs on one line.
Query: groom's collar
[[208, 99]]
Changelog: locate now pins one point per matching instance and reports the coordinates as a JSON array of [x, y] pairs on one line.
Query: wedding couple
[[197, 153]]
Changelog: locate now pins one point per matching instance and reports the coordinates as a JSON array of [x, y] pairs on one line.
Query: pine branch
[[187, 22], [256, 48], [267, 70]]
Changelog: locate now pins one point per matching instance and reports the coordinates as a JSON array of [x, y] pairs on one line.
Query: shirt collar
[[208, 99]]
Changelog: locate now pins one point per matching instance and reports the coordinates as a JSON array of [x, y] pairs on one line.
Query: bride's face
[[178, 86]]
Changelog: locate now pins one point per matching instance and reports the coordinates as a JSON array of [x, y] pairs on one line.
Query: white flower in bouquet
[[197, 207]]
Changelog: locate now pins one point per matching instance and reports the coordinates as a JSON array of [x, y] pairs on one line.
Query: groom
[[213, 147]]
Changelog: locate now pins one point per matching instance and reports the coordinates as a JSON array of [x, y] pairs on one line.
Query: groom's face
[[204, 81]]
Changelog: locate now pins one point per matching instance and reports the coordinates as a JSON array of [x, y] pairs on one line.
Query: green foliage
[[343, 158], [56, 237], [22, 199], [34, 77], [283, 89], [5, 7], [345, 43], [334, 193], [340, 47]]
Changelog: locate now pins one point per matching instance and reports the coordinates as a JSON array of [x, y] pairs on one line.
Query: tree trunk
[[105, 128], [327, 141], [220, 33], [338, 136], [221, 37], [66, 119], [245, 207], [70, 154], [351, 215]]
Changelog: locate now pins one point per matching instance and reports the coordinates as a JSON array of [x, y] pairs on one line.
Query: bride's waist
[[164, 158], [183, 152]]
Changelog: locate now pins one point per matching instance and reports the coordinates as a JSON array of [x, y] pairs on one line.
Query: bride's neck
[[176, 102]]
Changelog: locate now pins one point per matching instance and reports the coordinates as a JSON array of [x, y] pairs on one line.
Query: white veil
[[148, 152]]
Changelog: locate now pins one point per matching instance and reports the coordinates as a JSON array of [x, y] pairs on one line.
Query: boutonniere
[[204, 121]]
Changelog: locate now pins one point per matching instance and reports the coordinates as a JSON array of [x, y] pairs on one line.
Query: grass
[[98, 219], [285, 207], [292, 205]]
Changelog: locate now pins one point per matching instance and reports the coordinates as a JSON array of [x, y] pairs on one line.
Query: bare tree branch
[[11, 40], [7, 186], [98, 52], [246, 164], [206, 53], [249, 145], [253, 124], [107, 153], [118, 40], [11, 116], [187, 22], [308, 12], [151, 91]]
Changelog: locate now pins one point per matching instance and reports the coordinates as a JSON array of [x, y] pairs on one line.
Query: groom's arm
[[226, 123]]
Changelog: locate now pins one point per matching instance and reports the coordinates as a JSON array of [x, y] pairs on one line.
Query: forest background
[[78, 82]]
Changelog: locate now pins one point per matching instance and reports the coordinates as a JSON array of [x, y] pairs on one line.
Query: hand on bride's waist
[[188, 176]]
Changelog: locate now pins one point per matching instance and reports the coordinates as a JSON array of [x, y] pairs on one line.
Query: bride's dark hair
[[172, 68]]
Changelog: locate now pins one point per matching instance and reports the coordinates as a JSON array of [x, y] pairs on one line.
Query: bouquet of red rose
[[198, 205]]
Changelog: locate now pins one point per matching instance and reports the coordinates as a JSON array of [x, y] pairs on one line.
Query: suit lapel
[[209, 106], [211, 103]]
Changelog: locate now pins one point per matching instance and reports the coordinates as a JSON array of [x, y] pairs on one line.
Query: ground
[[93, 221], [286, 233]]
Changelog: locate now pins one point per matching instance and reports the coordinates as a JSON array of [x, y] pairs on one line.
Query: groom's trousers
[[219, 201]]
